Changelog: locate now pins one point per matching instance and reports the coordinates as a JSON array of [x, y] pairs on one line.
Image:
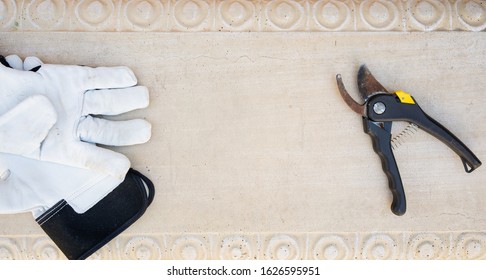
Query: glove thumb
[[25, 126]]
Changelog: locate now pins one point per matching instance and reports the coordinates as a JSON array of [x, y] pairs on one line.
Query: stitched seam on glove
[[51, 212]]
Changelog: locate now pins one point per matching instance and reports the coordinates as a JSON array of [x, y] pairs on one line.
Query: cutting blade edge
[[367, 84]]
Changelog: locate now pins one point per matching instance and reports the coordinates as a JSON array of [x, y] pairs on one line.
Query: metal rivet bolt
[[379, 108]]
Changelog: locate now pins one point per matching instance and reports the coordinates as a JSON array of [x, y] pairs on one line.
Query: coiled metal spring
[[401, 137]]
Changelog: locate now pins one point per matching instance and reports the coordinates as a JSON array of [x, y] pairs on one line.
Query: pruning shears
[[379, 110]]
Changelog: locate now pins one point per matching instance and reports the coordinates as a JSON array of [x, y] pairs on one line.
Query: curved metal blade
[[355, 106], [367, 84]]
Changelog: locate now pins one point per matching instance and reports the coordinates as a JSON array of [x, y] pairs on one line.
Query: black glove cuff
[[80, 235], [4, 62]]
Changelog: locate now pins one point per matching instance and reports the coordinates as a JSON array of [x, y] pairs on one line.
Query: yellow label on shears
[[404, 97]]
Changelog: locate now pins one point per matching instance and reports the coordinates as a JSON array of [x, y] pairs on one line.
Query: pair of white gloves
[[49, 126]]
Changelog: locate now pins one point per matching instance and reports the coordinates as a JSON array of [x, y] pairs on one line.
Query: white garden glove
[[77, 93], [65, 164]]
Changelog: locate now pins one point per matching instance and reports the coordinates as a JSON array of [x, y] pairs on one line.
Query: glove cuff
[[4, 62], [80, 235]]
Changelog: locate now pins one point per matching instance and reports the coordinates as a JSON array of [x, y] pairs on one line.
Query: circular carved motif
[[331, 15], [191, 13], [284, 14], [142, 248], [282, 247], [236, 248], [236, 13], [44, 249], [380, 247], [426, 246], [189, 248], [471, 246], [9, 250], [45, 14], [331, 248], [94, 12], [143, 13], [379, 14], [428, 14], [472, 14], [8, 11]]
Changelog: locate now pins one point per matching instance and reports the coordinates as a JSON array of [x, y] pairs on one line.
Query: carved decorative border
[[242, 15], [377, 245]]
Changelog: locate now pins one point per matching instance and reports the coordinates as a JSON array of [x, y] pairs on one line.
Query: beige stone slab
[[253, 147]]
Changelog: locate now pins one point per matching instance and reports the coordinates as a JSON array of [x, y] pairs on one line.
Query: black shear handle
[[470, 161], [381, 137], [397, 111]]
